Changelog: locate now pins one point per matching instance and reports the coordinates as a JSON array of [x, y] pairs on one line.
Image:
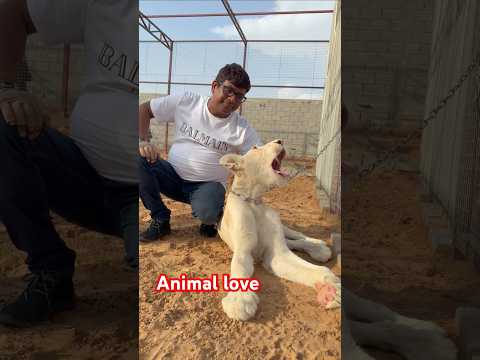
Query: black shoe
[[45, 295], [208, 230], [156, 230]]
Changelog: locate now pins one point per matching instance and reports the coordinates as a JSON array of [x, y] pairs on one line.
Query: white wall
[[328, 164]]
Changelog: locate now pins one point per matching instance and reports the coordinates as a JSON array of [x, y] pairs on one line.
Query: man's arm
[[162, 109], [18, 108], [16, 26], [146, 149], [144, 116]]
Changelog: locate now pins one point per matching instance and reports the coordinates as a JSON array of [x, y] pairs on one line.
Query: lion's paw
[[240, 305], [329, 294], [419, 324], [321, 253]]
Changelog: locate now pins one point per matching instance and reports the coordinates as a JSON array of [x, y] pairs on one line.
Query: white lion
[[254, 231]]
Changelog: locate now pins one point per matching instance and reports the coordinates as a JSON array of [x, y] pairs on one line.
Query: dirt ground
[[387, 257], [289, 323], [104, 324]]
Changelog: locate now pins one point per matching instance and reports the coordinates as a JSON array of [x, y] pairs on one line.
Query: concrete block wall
[[328, 169], [46, 66], [297, 122], [385, 58], [450, 156]]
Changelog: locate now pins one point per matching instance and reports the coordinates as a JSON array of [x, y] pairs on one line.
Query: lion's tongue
[[282, 172]]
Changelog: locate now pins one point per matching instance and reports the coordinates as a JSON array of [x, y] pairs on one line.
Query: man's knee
[[215, 192], [10, 139], [209, 207], [12, 154], [148, 166], [209, 214], [6, 131], [144, 164]]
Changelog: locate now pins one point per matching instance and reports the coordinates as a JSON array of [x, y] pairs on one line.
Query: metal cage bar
[[155, 31], [160, 36], [242, 14]]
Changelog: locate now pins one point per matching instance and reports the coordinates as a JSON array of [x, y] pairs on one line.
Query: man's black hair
[[235, 74]]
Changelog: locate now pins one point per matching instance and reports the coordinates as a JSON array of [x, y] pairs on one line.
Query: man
[[205, 130], [90, 178]]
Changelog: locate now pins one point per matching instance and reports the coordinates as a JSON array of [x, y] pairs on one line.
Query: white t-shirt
[[104, 122], [201, 139]]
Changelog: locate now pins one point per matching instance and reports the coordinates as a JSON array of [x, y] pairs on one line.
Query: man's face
[[226, 98]]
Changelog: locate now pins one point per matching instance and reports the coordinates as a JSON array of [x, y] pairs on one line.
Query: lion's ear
[[232, 161]]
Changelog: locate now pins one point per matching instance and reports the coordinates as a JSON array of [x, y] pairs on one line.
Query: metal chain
[[338, 132], [432, 115], [302, 168], [298, 171]]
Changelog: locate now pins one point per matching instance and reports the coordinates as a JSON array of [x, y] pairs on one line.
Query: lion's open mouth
[[277, 164]]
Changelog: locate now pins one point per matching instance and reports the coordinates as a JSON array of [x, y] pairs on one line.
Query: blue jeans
[[50, 172], [206, 198]]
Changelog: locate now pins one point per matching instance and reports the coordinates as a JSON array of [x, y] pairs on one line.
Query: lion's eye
[[254, 147]]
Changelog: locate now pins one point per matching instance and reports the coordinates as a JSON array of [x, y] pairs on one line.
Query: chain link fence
[[286, 96], [394, 150], [54, 74]]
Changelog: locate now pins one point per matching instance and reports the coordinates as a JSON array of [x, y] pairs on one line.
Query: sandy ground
[[387, 257], [289, 323], [104, 324]]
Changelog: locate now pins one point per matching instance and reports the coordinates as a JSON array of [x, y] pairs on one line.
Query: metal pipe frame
[[237, 41], [242, 14], [234, 21], [168, 93], [155, 31], [160, 36], [66, 78], [244, 66], [208, 84]]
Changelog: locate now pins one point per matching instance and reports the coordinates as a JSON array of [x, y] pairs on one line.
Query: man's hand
[[22, 110], [149, 151]]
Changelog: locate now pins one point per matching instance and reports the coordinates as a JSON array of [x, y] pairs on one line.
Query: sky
[[299, 64]]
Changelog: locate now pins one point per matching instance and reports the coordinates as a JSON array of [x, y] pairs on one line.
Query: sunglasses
[[229, 92]]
